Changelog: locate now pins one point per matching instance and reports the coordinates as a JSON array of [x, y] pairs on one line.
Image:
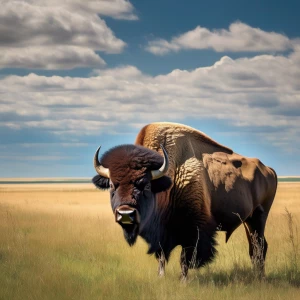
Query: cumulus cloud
[[69, 31], [261, 93], [239, 37], [117, 9], [57, 57]]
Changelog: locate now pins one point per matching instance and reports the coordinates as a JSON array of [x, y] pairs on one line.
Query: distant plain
[[60, 241]]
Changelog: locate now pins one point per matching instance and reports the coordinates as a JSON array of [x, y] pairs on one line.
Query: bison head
[[134, 174]]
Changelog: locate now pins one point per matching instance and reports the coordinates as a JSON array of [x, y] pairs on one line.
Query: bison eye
[[141, 183], [113, 186]]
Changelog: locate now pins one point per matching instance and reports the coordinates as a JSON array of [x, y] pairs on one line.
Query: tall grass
[[293, 254], [65, 245]]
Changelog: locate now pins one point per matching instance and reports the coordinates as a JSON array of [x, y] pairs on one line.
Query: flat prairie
[[60, 241]]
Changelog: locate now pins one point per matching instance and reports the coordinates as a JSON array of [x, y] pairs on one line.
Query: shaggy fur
[[206, 187]]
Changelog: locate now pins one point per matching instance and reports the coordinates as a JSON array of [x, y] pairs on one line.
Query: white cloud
[[240, 37], [57, 57], [58, 35], [118, 9], [24, 25], [261, 93]]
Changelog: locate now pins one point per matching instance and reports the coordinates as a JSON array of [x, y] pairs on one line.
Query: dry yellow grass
[[60, 241]]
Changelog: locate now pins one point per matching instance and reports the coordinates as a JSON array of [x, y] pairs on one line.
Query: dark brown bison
[[176, 186]]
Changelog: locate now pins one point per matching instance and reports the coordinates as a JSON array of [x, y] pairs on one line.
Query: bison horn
[[163, 169], [98, 167]]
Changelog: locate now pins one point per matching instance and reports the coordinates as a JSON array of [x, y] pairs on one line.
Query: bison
[[177, 186]]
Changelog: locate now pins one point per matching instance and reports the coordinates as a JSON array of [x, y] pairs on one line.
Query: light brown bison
[[183, 196]]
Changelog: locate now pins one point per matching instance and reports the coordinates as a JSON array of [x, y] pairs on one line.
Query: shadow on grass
[[247, 276], [287, 276]]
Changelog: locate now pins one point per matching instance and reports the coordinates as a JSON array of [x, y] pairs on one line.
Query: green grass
[[70, 248]]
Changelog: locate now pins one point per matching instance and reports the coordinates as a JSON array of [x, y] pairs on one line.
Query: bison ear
[[101, 182], [161, 184]]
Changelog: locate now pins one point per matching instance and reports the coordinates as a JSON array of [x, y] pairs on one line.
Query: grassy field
[[61, 242]]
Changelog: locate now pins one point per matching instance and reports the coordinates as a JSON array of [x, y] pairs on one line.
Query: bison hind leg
[[201, 253], [258, 246]]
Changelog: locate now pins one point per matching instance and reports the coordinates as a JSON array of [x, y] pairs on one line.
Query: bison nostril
[[118, 217]]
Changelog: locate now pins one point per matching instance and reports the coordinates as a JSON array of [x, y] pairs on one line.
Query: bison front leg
[[184, 264], [189, 259], [194, 257], [161, 263]]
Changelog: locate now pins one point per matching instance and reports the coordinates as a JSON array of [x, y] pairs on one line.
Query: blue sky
[[75, 75]]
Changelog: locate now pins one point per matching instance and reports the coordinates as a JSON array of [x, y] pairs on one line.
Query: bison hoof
[[161, 273]]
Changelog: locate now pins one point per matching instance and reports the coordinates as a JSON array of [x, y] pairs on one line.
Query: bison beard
[[130, 232]]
